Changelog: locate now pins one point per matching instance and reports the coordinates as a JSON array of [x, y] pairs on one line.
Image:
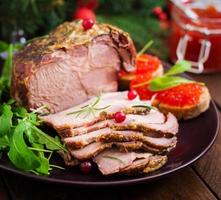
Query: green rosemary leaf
[[144, 106], [104, 108], [97, 101]]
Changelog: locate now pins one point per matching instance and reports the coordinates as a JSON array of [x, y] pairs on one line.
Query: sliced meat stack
[[137, 145]]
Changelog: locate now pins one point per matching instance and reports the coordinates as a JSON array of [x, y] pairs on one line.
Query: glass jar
[[198, 41]]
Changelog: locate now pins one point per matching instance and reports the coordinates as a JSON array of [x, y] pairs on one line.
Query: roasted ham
[[60, 69], [112, 161], [139, 141]]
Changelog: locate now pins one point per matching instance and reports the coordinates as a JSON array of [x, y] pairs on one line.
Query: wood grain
[[3, 190], [209, 167], [182, 186]]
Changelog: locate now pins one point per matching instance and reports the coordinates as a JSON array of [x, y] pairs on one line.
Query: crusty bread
[[159, 71], [186, 112]]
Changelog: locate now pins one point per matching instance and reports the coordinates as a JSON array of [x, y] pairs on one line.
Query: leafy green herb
[[19, 154], [146, 46], [169, 79], [165, 82], [89, 109], [36, 135], [114, 158], [5, 119], [29, 148], [5, 78], [4, 142], [178, 68], [143, 106]]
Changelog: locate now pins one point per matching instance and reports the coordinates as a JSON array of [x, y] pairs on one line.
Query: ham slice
[[95, 148], [152, 117], [160, 143], [112, 161], [102, 134], [145, 165], [64, 120]]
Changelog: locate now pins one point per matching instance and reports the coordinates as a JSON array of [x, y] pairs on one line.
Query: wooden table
[[202, 181]]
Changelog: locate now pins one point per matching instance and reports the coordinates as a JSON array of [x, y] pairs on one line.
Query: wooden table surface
[[202, 181]]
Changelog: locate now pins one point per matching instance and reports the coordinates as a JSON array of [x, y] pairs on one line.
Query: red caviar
[[146, 63], [182, 95], [140, 84]]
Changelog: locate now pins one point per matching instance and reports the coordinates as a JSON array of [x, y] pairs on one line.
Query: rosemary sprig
[[89, 109], [144, 106]]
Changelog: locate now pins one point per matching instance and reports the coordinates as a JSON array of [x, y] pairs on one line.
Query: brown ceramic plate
[[195, 137]]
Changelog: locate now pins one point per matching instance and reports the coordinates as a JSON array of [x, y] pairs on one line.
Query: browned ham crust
[[61, 69]]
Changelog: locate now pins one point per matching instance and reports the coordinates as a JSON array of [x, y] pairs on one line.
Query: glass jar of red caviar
[[197, 40]]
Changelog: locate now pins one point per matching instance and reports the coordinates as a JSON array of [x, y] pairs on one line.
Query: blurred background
[[21, 20], [180, 29]]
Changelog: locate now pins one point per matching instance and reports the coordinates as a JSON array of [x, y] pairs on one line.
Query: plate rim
[[127, 182]]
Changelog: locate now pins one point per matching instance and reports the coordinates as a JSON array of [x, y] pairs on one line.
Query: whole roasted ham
[[138, 144], [67, 66]]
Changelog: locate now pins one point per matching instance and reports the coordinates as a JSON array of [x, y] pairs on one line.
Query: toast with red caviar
[[185, 102]]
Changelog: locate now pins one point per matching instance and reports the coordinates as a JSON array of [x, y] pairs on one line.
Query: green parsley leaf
[[45, 166], [166, 82], [4, 142], [19, 154], [5, 119], [178, 68], [36, 135]]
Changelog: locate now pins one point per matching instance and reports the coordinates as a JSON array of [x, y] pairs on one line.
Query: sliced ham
[[137, 122], [112, 161], [145, 165], [64, 120], [160, 143], [152, 117], [90, 151], [134, 146], [95, 148], [84, 130], [106, 134], [155, 163]]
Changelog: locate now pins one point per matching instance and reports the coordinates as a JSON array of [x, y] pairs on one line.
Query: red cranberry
[[87, 24], [157, 10], [86, 167], [119, 117], [132, 94], [162, 16]]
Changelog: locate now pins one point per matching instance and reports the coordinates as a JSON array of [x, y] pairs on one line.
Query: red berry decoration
[[162, 16], [86, 167], [119, 117], [157, 10], [84, 13], [132, 94], [87, 24]]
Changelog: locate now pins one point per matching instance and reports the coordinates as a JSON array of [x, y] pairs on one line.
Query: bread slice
[[186, 112], [158, 72]]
